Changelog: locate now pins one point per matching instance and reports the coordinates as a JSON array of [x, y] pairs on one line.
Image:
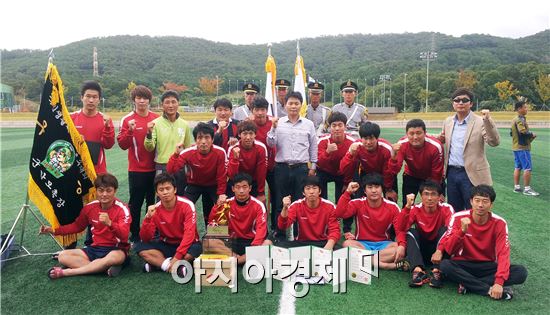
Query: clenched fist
[[352, 187], [464, 223], [131, 124], [150, 126], [354, 147]]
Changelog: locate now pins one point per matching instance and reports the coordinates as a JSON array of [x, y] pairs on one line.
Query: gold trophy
[[217, 240]]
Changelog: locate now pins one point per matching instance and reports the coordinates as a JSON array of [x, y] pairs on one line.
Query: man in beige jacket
[[464, 135]]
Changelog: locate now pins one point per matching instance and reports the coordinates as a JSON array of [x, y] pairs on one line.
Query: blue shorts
[[97, 252], [522, 160], [375, 245], [168, 250]]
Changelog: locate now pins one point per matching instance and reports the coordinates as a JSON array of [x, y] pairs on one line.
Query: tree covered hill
[[330, 59]]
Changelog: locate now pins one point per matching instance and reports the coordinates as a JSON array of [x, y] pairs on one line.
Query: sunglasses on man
[[463, 100]]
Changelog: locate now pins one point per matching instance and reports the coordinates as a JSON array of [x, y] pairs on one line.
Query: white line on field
[[286, 302]]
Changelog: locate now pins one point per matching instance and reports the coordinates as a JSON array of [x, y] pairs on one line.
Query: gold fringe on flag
[[35, 193]]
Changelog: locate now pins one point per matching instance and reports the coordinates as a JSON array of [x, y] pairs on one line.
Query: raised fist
[[286, 201], [151, 211], [236, 152], [150, 126], [222, 124], [410, 200], [352, 187], [354, 147], [104, 218], [179, 148], [131, 124], [464, 223], [106, 120]]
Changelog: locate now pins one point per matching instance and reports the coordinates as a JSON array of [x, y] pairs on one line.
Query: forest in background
[[499, 70]]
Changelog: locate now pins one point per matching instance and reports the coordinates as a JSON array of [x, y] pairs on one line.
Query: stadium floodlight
[[427, 55]]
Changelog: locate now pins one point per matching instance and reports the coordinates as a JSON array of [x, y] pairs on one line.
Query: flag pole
[[22, 215]]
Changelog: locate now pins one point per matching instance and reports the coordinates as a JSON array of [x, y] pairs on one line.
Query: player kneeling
[[174, 219], [247, 217], [374, 216], [110, 221], [431, 219], [315, 217], [478, 243]]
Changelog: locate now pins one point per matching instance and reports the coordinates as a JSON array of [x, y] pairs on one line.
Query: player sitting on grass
[[374, 217], [246, 219], [174, 219], [315, 217], [477, 241], [110, 221], [431, 219]]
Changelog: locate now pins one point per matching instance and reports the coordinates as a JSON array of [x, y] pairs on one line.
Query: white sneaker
[[530, 192], [518, 190]]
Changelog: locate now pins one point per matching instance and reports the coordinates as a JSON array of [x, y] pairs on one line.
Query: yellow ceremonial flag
[[270, 96], [300, 80]]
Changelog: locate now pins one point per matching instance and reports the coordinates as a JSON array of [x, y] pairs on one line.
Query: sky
[[49, 24]]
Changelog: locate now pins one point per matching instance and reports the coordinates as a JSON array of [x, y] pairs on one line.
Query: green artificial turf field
[[26, 289]]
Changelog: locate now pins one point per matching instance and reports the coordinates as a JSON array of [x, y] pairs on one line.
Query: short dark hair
[[90, 85], [260, 102], [164, 178], [373, 179], [430, 185], [294, 94], [415, 123], [239, 177], [311, 181], [369, 129], [519, 104], [337, 116], [141, 91], [246, 125], [169, 93], [463, 91], [484, 191], [223, 102], [203, 128], [106, 180]]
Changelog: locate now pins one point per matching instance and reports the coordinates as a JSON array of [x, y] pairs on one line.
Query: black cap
[[348, 85], [282, 83], [251, 87], [315, 87]]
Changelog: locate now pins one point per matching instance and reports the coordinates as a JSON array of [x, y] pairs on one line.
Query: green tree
[[542, 86]]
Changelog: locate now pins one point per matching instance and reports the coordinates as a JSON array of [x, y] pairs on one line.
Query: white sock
[[527, 188], [165, 264], [517, 186]]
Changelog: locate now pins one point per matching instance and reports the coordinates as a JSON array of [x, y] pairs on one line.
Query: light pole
[[229, 86], [103, 101], [405, 94], [217, 86], [384, 78], [427, 55], [373, 80]]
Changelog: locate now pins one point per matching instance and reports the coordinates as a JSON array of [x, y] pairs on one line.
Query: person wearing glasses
[[355, 112], [244, 111], [464, 135]]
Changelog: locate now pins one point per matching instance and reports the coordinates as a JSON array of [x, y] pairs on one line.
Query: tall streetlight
[[427, 55], [405, 94], [217, 86], [373, 80], [384, 78]]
